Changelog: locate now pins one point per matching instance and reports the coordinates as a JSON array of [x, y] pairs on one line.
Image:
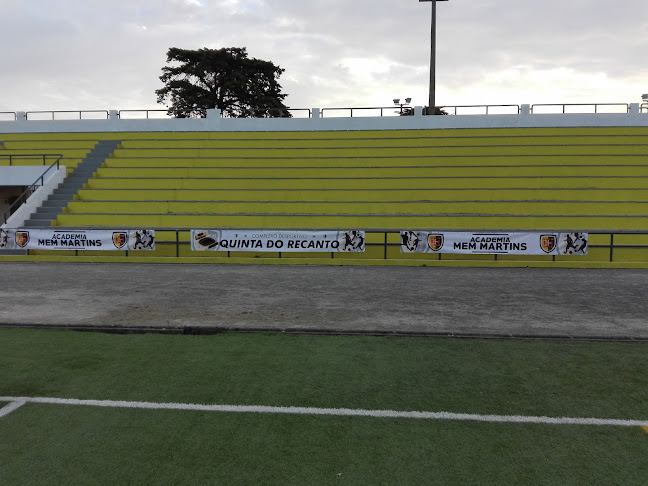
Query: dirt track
[[420, 300]]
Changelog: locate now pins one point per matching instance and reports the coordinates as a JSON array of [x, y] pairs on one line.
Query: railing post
[[611, 247], [385, 253], [177, 243]]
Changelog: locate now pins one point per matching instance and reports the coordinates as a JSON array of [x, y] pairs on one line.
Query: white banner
[[546, 243], [277, 241], [71, 239]]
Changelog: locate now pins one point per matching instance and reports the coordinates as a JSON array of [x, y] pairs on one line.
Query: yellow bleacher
[[27, 149], [573, 179]]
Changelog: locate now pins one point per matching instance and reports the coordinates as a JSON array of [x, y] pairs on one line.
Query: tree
[[226, 79]]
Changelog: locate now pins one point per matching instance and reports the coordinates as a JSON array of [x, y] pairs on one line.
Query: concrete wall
[[215, 123], [22, 176]]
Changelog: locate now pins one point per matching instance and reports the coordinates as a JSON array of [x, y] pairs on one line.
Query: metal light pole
[[431, 102]]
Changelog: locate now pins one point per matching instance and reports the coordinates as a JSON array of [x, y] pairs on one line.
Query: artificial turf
[[54, 444]]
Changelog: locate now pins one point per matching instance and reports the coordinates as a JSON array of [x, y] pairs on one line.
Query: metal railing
[[276, 113], [29, 191], [67, 115], [385, 244], [364, 111], [369, 111], [580, 108], [148, 114], [44, 158], [7, 116], [482, 109]]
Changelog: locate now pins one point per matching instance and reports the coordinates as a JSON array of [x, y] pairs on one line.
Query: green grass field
[[66, 444]]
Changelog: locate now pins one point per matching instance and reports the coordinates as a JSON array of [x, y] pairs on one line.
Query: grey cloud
[[111, 52]]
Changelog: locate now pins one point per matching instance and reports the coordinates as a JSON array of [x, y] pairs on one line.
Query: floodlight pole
[[431, 101]]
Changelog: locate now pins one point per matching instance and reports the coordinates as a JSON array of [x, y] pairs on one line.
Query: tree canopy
[[226, 79]]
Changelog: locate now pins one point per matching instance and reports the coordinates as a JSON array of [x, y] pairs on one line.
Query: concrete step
[[47, 212], [38, 223], [63, 196], [54, 204]]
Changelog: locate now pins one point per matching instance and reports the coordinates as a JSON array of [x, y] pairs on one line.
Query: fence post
[[611, 247]]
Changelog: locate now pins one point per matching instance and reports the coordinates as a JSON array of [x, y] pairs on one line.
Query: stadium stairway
[[65, 192]]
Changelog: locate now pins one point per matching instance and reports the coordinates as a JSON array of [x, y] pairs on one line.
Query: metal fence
[[580, 108], [67, 115], [352, 112]]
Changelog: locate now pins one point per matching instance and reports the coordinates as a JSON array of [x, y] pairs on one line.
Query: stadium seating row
[[573, 179]]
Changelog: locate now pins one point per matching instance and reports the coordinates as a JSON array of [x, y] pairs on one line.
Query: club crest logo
[[22, 238], [119, 239], [548, 243], [435, 242], [204, 240]]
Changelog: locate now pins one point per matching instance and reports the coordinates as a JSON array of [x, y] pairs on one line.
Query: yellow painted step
[[408, 140], [363, 195], [50, 145], [567, 223], [430, 133], [346, 207], [68, 153], [359, 184], [376, 172], [387, 152], [431, 161]]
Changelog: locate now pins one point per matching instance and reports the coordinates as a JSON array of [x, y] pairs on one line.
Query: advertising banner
[[501, 243], [277, 240], [71, 239]]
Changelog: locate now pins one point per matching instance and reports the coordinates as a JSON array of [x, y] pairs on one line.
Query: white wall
[[22, 176], [214, 122]]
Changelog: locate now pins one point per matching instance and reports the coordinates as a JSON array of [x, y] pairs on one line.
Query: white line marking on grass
[[15, 404], [349, 412]]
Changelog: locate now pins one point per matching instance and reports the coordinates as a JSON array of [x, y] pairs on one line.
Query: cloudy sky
[[107, 54]]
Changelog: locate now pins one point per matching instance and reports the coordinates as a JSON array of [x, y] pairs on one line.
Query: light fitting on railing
[[644, 97], [397, 102]]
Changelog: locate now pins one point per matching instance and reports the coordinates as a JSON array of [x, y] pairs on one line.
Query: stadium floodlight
[[431, 103], [397, 102]]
